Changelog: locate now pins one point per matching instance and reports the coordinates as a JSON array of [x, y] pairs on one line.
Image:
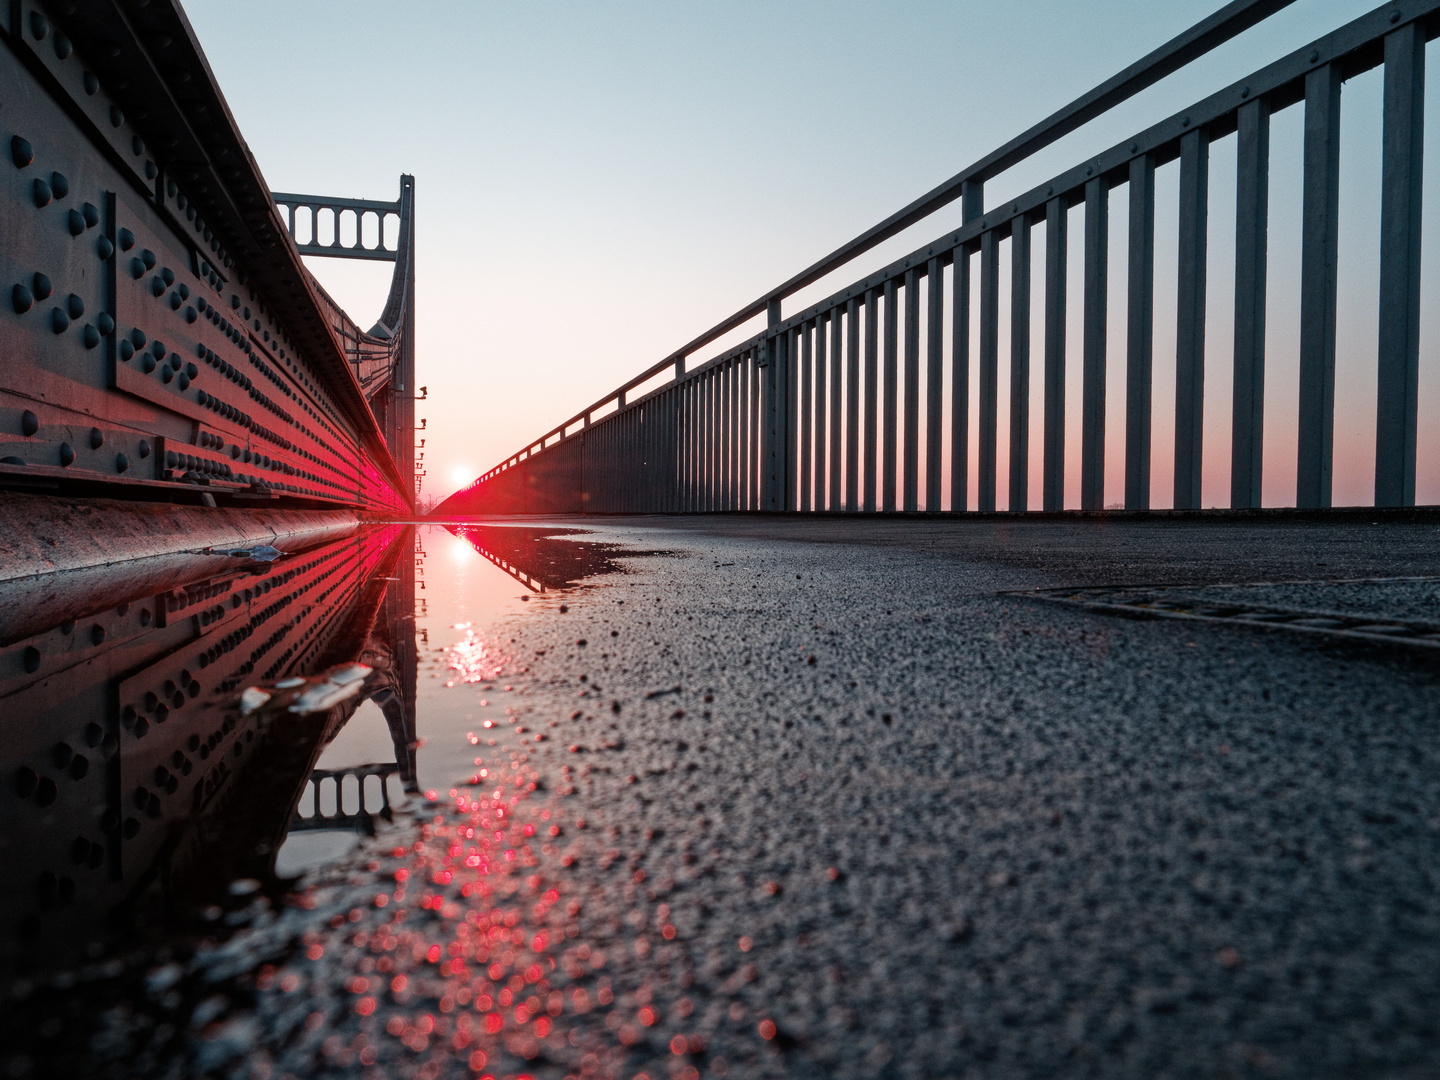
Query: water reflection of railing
[[536, 557], [369, 800]]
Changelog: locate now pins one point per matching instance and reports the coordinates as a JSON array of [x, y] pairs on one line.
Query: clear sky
[[599, 182]]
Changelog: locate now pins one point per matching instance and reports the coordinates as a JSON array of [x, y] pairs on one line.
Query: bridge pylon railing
[[872, 399]]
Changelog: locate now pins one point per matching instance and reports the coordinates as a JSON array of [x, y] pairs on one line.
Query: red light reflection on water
[[465, 961], [473, 659]]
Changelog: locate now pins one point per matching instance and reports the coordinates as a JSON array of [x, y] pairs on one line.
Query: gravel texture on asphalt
[[814, 799]]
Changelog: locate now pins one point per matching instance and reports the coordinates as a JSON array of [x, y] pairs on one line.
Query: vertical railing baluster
[[1020, 363], [1252, 213], [726, 469], [753, 435], [934, 381], [806, 389], [960, 381], [1319, 237], [890, 404], [1057, 219], [836, 393], [872, 378], [911, 492], [1092, 391], [1140, 333], [717, 419], [742, 432], [1190, 318], [792, 382], [821, 405], [1401, 189], [852, 406], [989, 366]]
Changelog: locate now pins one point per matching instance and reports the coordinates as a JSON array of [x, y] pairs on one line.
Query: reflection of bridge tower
[[383, 356]]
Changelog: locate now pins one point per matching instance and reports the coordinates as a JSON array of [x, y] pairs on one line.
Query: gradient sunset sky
[[599, 182]]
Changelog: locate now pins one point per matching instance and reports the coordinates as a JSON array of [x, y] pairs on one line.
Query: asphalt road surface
[[826, 798]]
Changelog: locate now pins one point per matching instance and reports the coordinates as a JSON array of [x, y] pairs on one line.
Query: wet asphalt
[[826, 799]]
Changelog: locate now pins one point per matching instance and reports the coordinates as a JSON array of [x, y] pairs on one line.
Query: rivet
[[1244, 91], [151, 171], [190, 315], [63, 47], [1089, 169], [1395, 16], [1184, 121], [97, 438], [137, 269], [41, 192], [126, 238], [75, 221], [1050, 190], [59, 321], [1134, 147], [144, 448], [92, 84], [168, 275], [116, 116], [149, 257], [138, 337], [1314, 55], [170, 188], [137, 146], [105, 323], [91, 214], [157, 285], [39, 27], [90, 336], [104, 248], [21, 152], [126, 351], [22, 300], [59, 185], [159, 350], [29, 423], [76, 306], [121, 463], [67, 454]]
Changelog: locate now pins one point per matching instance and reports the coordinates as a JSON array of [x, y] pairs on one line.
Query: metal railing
[[823, 410], [362, 818]]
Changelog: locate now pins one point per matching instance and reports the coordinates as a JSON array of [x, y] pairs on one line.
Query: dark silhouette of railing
[[363, 817], [776, 423]]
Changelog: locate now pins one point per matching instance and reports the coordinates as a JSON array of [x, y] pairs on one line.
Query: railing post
[[911, 490], [1190, 319], [836, 392], [852, 406], [1319, 236], [872, 371], [891, 405], [1140, 333], [934, 380], [1053, 469], [1402, 180], [989, 366], [1252, 213], [960, 381], [807, 390], [1020, 363], [1092, 391], [821, 406]]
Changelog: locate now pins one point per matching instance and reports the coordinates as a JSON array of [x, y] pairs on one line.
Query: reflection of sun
[[460, 475], [460, 551]]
